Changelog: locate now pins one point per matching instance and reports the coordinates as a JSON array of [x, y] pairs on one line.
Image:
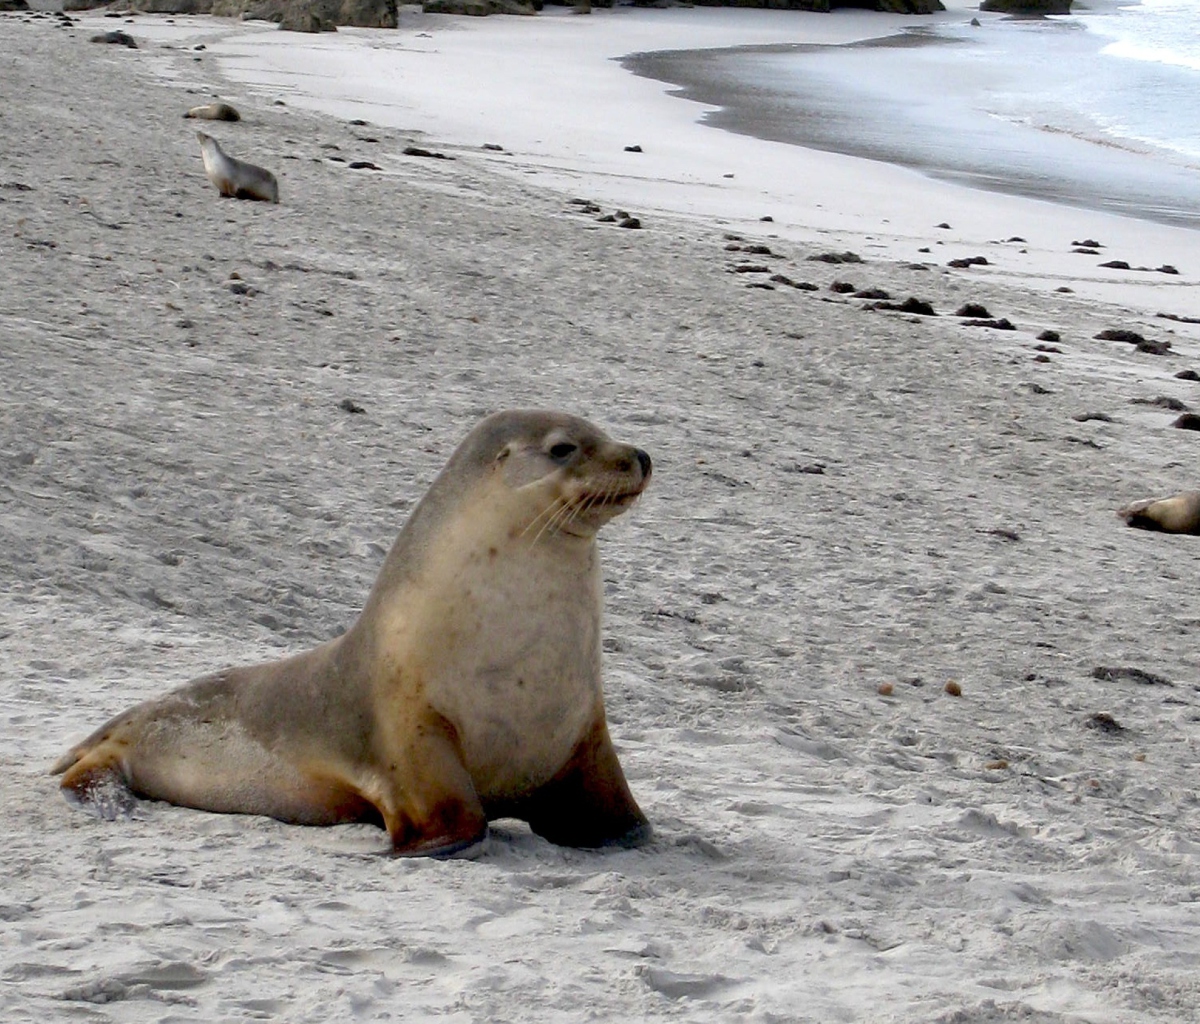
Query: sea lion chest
[[501, 636]]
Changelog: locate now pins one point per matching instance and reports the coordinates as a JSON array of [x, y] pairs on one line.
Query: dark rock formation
[[13, 5], [303, 15], [824, 6], [477, 8], [1027, 8]]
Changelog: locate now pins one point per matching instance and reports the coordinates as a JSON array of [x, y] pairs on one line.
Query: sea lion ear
[[505, 452]]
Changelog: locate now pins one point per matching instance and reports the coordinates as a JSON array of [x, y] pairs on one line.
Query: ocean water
[[1100, 109]]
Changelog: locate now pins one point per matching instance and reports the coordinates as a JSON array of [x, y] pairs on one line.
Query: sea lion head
[[563, 474]]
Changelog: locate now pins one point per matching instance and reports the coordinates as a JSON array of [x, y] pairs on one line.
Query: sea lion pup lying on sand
[[1177, 514], [468, 689], [233, 177]]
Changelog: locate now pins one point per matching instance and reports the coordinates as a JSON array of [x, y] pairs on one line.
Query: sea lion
[[1177, 514], [468, 689], [233, 177], [214, 112]]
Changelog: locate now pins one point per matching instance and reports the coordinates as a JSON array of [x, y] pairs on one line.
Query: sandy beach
[[844, 500]]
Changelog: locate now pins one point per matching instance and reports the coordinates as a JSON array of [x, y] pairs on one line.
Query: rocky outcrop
[[477, 8], [825, 6], [1026, 8], [309, 15]]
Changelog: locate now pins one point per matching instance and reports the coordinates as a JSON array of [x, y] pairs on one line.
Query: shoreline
[[572, 139], [1056, 167]]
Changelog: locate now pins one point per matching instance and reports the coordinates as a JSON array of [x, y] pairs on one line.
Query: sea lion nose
[[643, 461]]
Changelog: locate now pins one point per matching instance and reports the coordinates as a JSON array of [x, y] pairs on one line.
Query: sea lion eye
[[563, 450]]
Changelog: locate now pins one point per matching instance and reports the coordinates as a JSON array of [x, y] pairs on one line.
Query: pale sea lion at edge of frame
[[468, 689], [1179, 513]]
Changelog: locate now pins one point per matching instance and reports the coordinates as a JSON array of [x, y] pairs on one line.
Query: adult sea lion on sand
[[214, 112], [468, 689], [234, 177], [1177, 514]]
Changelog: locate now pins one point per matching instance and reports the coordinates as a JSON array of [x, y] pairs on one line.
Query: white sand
[[180, 490]]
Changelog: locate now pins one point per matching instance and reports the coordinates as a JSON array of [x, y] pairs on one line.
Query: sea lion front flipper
[[433, 809], [588, 803]]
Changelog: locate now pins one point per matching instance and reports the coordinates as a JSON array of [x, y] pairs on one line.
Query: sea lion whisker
[[550, 510], [556, 521]]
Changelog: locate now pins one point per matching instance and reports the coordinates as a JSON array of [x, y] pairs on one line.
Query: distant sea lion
[[468, 689], [233, 177], [1177, 514], [214, 112]]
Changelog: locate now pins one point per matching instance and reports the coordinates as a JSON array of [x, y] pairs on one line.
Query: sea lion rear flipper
[[433, 808], [97, 781], [588, 803]]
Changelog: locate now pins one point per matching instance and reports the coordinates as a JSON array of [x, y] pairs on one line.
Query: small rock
[[1049, 336], [1104, 722], [351, 406], [117, 38], [953, 689], [842, 287], [1120, 334], [972, 309], [1116, 265], [633, 149], [1188, 421]]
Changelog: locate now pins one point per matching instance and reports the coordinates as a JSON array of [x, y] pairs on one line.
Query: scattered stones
[[1154, 348], [1049, 335], [1002, 324], [972, 309], [428, 153], [804, 286], [1119, 334], [117, 38], [836, 257], [1129, 674], [969, 261], [1103, 722], [909, 305], [1161, 402]]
